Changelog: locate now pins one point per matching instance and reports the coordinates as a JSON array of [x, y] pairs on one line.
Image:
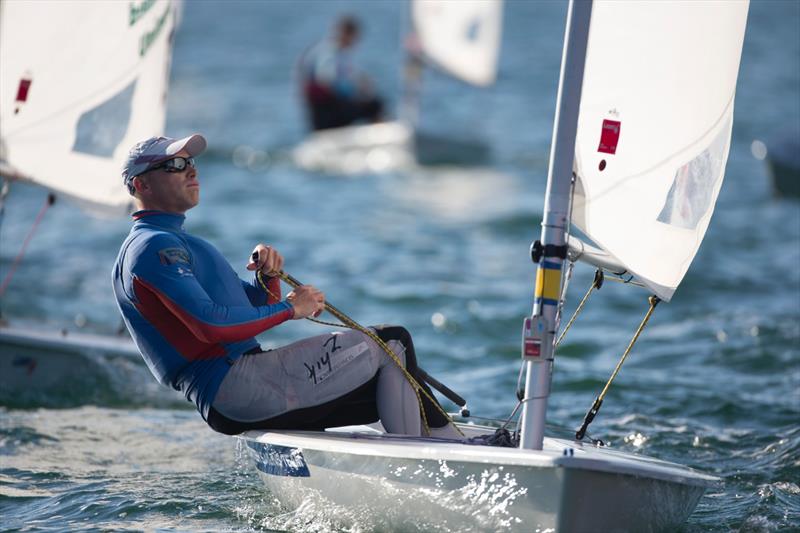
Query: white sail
[[654, 130], [80, 83], [460, 37]]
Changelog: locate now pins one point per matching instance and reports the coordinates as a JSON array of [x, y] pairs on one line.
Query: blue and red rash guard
[[189, 313]]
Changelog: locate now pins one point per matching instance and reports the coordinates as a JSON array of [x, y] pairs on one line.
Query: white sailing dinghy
[[80, 83], [644, 115], [461, 39]]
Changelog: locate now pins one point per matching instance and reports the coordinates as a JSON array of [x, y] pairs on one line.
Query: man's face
[[174, 192], [347, 37]]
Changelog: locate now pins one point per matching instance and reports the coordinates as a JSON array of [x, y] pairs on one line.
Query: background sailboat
[[80, 83], [460, 39]]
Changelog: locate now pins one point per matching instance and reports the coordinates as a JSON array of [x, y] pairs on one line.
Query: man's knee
[[393, 333]]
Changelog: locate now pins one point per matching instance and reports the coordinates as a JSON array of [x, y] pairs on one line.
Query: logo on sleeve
[[171, 256]]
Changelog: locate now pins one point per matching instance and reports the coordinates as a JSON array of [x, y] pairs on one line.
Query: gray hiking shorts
[[304, 374]]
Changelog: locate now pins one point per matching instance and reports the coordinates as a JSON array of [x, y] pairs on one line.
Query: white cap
[[149, 153]]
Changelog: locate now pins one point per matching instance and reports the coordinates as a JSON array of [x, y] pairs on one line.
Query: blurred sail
[[80, 83], [654, 130], [462, 38]]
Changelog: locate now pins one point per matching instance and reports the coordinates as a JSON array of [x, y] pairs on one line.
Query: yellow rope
[[348, 322], [598, 402], [653, 303]]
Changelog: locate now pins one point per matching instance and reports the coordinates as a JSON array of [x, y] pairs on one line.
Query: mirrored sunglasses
[[176, 164]]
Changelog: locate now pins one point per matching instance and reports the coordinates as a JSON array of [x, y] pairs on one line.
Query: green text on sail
[[148, 38], [138, 10]]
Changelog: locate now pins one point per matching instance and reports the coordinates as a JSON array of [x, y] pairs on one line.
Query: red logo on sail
[[22, 90], [609, 136], [22, 93]]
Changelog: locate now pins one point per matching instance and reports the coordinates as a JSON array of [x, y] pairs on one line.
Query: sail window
[[102, 128], [692, 192]]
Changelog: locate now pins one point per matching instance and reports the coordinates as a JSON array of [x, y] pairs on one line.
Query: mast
[[539, 328]]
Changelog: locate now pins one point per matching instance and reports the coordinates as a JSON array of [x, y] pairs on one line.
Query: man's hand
[[307, 301], [270, 262]]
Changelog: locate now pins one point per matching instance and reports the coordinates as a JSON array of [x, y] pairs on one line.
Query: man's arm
[[164, 284], [257, 295]]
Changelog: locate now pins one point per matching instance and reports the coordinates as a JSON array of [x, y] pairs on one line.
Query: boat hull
[[385, 147], [429, 485], [42, 367], [359, 149]]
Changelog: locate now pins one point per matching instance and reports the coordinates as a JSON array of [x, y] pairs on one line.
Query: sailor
[[195, 321], [335, 93]]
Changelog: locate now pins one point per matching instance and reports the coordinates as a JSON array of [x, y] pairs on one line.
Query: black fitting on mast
[[538, 250]]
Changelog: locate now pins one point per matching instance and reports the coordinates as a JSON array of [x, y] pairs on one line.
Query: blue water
[[713, 383]]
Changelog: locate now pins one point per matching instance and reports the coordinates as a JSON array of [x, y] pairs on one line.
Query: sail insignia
[[609, 137], [278, 460], [472, 34], [22, 93]]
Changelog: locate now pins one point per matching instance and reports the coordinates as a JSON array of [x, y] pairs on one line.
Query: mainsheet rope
[[348, 322]]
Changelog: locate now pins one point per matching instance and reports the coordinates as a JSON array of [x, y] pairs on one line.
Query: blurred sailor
[[335, 93]]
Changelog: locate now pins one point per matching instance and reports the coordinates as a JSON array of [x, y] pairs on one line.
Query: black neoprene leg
[[398, 333]]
